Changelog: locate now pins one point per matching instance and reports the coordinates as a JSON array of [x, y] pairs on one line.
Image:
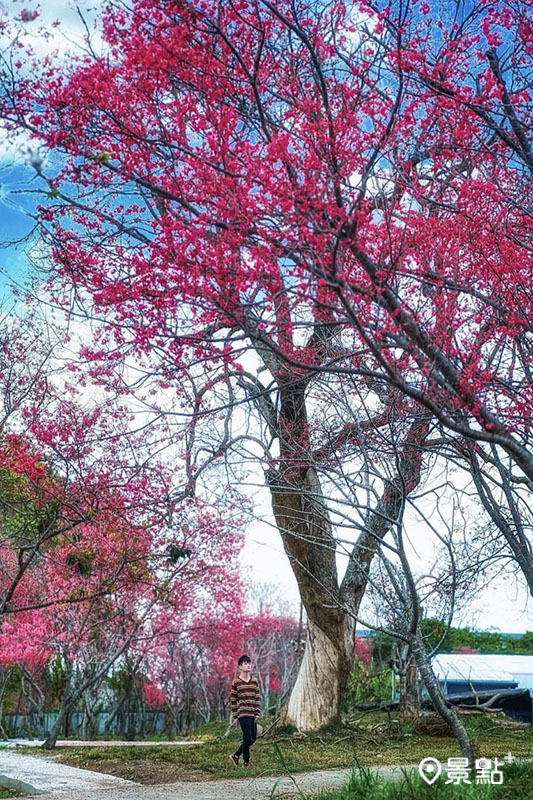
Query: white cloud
[[59, 24], [61, 27]]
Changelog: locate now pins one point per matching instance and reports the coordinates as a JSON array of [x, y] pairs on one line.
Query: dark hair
[[244, 659]]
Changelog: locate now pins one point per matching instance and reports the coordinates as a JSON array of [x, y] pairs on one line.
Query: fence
[[138, 723]]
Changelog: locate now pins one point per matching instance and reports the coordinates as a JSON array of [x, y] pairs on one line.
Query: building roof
[[485, 667]]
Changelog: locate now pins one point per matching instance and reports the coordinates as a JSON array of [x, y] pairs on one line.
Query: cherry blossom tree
[[336, 189], [265, 312], [96, 547], [191, 667], [92, 627]]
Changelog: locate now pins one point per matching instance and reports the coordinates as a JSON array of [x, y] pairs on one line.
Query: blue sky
[[16, 178], [15, 223]]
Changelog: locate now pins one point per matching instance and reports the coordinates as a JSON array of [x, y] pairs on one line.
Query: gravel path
[[239, 789], [54, 781], [44, 775]]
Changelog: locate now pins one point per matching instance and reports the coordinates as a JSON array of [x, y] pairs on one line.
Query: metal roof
[[485, 667]]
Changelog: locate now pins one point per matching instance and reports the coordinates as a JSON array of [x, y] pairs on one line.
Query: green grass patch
[[372, 740], [211, 730], [364, 785]]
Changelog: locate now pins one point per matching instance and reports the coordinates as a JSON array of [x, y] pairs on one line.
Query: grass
[[363, 785], [8, 793], [372, 740]]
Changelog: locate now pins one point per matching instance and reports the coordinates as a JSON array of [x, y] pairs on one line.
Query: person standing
[[245, 706]]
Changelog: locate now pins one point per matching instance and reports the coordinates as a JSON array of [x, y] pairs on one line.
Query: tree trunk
[[409, 695], [305, 527], [68, 705], [4, 680], [113, 715], [316, 698], [439, 701]]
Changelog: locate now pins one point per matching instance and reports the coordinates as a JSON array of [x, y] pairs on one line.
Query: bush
[[366, 685]]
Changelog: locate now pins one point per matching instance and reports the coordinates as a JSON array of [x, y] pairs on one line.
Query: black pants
[[249, 735]]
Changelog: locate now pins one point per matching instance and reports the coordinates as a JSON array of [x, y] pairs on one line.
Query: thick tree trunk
[[304, 524], [305, 527], [316, 698]]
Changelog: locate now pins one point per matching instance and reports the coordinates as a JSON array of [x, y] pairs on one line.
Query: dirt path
[[25, 773], [240, 789], [54, 781]]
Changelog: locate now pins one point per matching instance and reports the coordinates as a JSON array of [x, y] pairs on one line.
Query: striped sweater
[[245, 698]]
